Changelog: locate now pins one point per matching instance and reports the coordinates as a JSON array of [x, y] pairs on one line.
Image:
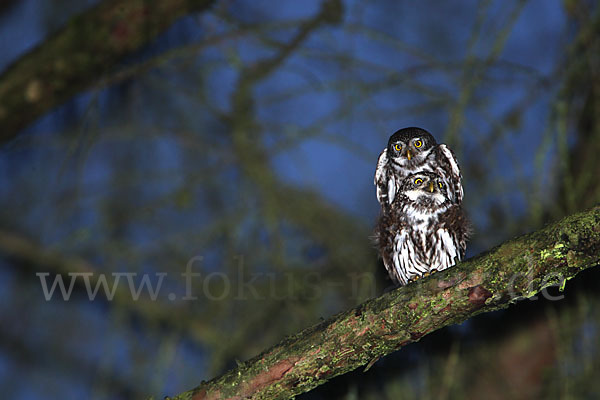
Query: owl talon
[[430, 272]]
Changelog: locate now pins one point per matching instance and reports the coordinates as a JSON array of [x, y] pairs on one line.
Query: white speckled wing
[[381, 179], [453, 170]]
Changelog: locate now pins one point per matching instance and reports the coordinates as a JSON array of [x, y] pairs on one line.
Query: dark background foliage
[[242, 142]]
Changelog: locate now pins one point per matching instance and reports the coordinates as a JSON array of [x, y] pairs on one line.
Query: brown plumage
[[422, 231]]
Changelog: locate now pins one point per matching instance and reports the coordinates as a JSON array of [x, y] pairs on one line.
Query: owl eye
[[440, 185], [398, 147], [418, 181], [418, 144]]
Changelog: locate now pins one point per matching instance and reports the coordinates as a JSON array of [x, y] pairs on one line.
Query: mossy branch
[[77, 56], [517, 269]]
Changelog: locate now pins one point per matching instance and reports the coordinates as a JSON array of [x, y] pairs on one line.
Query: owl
[[423, 230], [412, 150]]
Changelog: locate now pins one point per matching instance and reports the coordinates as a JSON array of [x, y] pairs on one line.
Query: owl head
[[410, 146], [425, 189]]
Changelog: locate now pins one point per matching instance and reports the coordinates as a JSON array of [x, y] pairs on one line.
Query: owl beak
[[431, 187], [408, 155]]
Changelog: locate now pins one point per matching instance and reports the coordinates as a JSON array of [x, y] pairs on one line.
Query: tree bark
[[77, 56], [518, 269]]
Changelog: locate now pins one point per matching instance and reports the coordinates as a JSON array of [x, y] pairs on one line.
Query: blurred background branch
[[77, 56]]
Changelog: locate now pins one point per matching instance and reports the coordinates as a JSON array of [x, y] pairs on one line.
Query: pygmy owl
[[423, 230]]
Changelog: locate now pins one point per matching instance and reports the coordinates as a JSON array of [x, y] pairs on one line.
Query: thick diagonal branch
[[517, 269], [77, 56]]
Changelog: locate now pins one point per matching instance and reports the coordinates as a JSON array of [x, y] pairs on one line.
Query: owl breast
[[420, 248]]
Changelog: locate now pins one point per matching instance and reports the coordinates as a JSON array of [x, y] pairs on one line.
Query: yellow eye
[[418, 181], [398, 147], [418, 144], [441, 185]]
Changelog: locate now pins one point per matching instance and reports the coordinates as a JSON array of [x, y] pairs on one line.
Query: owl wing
[[384, 181], [390, 234], [455, 230], [447, 167], [400, 260]]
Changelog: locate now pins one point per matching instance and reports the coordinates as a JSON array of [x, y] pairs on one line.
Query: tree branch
[[77, 56], [515, 270]]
